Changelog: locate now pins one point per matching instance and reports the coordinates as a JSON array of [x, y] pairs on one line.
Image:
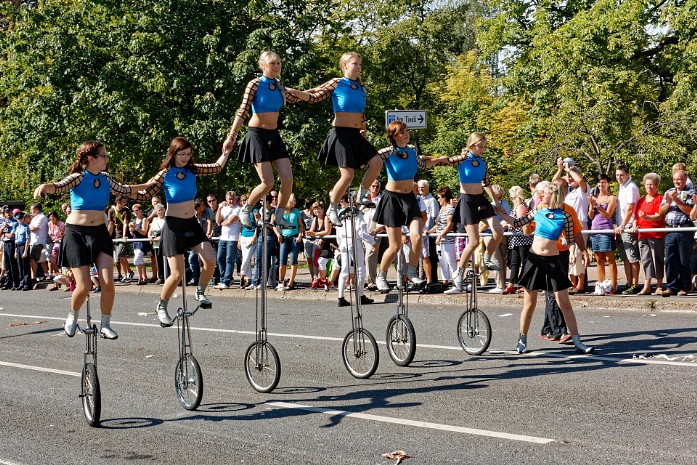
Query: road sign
[[415, 119]]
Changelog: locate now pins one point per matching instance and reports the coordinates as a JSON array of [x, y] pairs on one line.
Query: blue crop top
[[90, 191], [470, 169], [269, 96], [179, 184], [348, 96], [401, 163], [549, 224]]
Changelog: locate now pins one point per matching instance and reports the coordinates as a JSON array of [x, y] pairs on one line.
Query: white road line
[[636, 361], [35, 368], [418, 424], [5, 462]]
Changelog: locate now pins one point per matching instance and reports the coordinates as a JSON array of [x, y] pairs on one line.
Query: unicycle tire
[[262, 366], [188, 382], [401, 340], [361, 358], [91, 395], [474, 332]]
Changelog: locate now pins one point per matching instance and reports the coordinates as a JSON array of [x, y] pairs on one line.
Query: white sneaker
[[280, 287], [496, 290], [251, 287], [457, 279], [489, 265], [163, 316], [413, 277], [453, 290], [70, 325], [245, 215], [223, 286], [381, 282], [333, 213], [202, 300], [108, 332]]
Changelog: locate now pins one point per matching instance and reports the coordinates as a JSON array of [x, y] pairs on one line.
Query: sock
[[74, 313], [201, 289], [487, 257], [106, 319], [163, 304]]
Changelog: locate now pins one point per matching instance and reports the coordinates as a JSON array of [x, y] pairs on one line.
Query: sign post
[[415, 119]]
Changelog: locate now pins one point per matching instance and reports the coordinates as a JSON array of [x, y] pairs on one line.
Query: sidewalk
[[485, 299]]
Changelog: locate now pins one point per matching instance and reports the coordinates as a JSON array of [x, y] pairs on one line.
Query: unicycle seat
[[348, 213]]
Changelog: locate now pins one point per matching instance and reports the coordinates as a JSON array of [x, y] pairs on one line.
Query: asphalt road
[[632, 402]]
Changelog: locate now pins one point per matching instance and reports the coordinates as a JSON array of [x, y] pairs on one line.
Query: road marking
[[418, 424], [639, 361], [5, 462], [35, 368]]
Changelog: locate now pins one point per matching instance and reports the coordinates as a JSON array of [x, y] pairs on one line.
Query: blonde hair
[[516, 192], [556, 200], [346, 57], [475, 138], [266, 58], [498, 191]]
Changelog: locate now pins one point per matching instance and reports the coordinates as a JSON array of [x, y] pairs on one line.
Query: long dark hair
[[178, 144], [86, 149]]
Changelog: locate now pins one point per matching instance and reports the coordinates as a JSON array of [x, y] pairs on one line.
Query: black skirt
[[179, 235], [81, 245], [546, 273], [395, 209], [471, 209], [346, 148], [260, 145]]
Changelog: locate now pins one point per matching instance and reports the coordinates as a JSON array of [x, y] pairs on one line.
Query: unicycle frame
[[92, 333], [356, 307], [183, 327]]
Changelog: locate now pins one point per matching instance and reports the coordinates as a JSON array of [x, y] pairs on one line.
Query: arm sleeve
[[421, 161], [456, 160], [288, 97], [64, 185], [150, 192], [324, 91], [247, 98], [527, 219], [207, 169], [386, 153], [116, 187], [569, 227]]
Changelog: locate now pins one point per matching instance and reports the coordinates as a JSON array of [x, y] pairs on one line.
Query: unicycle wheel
[[401, 340], [262, 366], [91, 395], [188, 382], [474, 332], [360, 353]]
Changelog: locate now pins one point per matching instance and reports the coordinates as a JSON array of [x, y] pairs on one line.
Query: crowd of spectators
[[618, 220]]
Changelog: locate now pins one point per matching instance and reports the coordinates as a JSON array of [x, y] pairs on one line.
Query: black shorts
[[471, 209], [81, 245], [545, 273], [346, 148], [261, 145], [179, 235], [395, 209]]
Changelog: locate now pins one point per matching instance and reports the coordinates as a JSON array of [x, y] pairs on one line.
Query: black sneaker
[[366, 300], [343, 302], [630, 290]]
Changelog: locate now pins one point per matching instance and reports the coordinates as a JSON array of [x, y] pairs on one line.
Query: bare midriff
[[471, 188], [400, 187], [181, 210], [264, 120], [544, 247], [85, 217], [343, 119]]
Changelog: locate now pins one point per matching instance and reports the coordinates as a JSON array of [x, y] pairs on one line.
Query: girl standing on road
[[346, 145], [543, 269], [399, 206], [262, 145], [182, 231], [86, 239], [472, 207]]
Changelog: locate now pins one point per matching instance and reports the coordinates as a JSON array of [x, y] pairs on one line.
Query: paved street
[[632, 402]]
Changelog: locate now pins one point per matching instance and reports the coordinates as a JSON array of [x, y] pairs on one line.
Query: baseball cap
[[15, 211]]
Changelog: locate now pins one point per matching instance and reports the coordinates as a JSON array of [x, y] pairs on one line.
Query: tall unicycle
[[261, 363], [188, 379], [90, 393], [359, 349], [401, 337], [473, 327]]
